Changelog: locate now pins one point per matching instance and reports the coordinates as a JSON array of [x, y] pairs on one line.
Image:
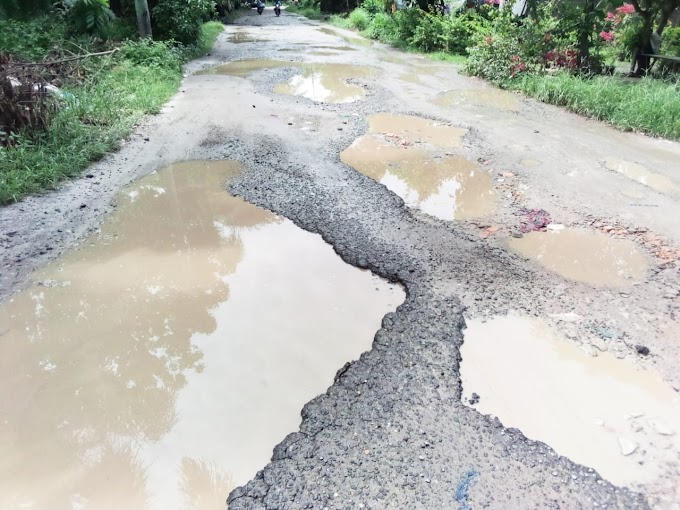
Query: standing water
[[156, 366]]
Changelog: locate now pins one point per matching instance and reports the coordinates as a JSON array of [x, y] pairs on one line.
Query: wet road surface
[[408, 169]]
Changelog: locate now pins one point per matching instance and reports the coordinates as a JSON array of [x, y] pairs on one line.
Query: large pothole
[[158, 365], [598, 411]]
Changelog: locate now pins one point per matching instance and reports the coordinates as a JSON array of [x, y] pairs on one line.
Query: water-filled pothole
[[244, 68], [416, 129], [495, 98], [159, 364], [447, 188], [641, 174], [349, 40], [599, 411], [585, 256], [326, 83], [244, 37]]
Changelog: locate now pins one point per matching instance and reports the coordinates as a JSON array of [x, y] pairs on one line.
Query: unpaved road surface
[[394, 430]]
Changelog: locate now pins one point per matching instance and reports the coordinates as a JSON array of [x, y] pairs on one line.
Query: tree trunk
[[143, 18]]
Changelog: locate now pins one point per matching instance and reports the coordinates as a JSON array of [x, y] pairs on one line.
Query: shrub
[[373, 7], [406, 22], [32, 39], [156, 54], [383, 28], [87, 16], [670, 44], [180, 20], [360, 19]]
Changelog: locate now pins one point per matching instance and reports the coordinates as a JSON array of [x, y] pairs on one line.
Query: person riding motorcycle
[[277, 8]]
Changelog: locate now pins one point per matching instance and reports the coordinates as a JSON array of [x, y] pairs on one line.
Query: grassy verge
[[117, 91], [306, 11], [648, 105]]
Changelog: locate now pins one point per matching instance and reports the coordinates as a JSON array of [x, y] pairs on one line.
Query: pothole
[[416, 129], [244, 68], [585, 256], [447, 188], [244, 37], [335, 48], [641, 174], [349, 40], [158, 365], [598, 411], [326, 83], [494, 98]]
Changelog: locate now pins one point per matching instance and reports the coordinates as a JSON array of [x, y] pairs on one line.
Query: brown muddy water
[[157, 365], [244, 68], [642, 175], [349, 40], [598, 411], [494, 98], [447, 188], [326, 83], [585, 256], [416, 129]]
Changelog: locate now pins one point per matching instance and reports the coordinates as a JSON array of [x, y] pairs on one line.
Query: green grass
[[648, 105], [447, 57], [116, 94], [206, 41], [306, 11]]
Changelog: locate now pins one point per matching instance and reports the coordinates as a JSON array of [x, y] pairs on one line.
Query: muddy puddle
[[244, 68], [641, 174], [334, 48], [157, 365], [598, 411], [327, 83], [447, 188], [244, 37], [416, 129], [494, 98], [585, 256]]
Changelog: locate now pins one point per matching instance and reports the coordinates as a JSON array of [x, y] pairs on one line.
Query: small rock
[[474, 399], [642, 349], [507, 174], [83, 206], [555, 226], [89, 176], [627, 446]]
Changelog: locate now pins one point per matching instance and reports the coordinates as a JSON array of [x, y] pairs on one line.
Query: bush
[[373, 7], [383, 28], [87, 16], [359, 19], [670, 43], [180, 20], [156, 54], [32, 39], [407, 22]]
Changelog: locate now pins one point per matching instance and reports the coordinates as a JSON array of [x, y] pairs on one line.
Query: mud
[[639, 173], [326, 83], [599, 411], [158, 365], [244, 68], [447, 187], [484, 97], [359, 41], [416, 129], [589, 257]]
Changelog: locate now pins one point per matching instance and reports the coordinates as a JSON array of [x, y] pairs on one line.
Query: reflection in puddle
[[592, 410], [325, 83], [446, 188], [159, 364], [244, 37], [585, 256], [495, 98], [416, 129], [640, 174], [530, 162], [411, 78], [335, 48], [244, 68]]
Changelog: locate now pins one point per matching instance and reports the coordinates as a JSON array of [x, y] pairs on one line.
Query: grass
[[206, 41], [306, 11], [115, 95], [649, 105]]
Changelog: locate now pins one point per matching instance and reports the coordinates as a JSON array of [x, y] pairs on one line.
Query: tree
[[654, 13], [143, 18]]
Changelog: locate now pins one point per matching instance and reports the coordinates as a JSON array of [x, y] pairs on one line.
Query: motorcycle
[[277, 8], [260, 7]]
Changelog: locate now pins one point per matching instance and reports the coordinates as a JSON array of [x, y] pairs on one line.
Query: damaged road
[[394, 430]]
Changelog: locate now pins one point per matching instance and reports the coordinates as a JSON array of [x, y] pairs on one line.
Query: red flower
[[607, 36]]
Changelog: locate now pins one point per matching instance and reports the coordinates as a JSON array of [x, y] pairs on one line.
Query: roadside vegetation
[[75, 77], [574, 55]]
